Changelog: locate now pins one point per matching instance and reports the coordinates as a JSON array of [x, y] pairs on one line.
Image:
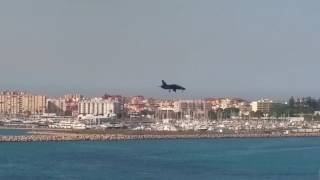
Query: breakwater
[[112, 137]]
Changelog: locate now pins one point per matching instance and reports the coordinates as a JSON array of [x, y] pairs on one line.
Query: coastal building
[[33, 104], [56, 106], [224, 103], [14, 103], [263, 106], [10, 103], [139, 104], [64, 106], [244, 108], [72, 103], [191, 106], [99, 106]]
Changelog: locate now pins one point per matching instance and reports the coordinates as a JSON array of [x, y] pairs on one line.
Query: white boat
[[78, 126]]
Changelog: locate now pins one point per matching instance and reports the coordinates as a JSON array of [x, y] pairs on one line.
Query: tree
[[231, 112], [212, 115], [257, 114], [279, 110], [292, 102], [318, 104]]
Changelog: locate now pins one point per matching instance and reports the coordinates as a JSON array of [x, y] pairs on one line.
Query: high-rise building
[[21, 103], [263, 106], [33, 104], [98, 106], [64, 106], [56, 106], [191, 106]]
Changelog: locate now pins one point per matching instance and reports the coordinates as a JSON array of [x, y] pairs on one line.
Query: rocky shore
[[112, 137]]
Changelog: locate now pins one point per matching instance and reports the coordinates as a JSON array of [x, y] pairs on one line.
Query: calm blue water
[[13, 132], [221, 159]]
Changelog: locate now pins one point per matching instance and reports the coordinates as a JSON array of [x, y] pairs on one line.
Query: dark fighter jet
[[173, 87]]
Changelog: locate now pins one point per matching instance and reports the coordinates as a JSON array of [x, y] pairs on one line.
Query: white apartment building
[[191, 106], [263, 105], [99, 106], [56, 106], [15, 102]]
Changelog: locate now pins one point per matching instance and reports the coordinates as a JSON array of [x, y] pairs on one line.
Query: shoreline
[[58, 136], [48, 134]]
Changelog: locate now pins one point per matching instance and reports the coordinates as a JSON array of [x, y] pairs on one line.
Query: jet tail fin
[[163, 82]]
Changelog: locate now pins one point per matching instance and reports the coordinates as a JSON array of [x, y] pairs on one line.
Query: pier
[[114, 137]]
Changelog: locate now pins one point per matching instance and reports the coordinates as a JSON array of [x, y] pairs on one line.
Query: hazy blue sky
[[214, 48]]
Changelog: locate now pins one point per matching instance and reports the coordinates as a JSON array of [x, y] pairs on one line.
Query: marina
[[159, 90]]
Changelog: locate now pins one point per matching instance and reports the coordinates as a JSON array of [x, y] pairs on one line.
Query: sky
[[215, 48]]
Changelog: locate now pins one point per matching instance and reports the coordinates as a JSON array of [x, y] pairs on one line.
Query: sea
[[13, 132], [187, 159]]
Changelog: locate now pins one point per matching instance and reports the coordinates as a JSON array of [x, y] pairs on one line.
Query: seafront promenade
[[57, 136]]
